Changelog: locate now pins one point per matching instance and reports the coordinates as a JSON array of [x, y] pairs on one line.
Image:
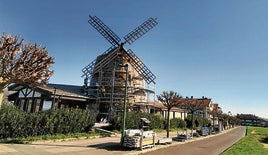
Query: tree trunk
[[1, 98], [213, 122], [168, 123], [192, 124], [2, 87]]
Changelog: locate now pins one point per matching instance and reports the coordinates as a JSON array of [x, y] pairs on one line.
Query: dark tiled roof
[[161, 106], [203, 101], [157, 105], [67, 91], [215, 106], [64, 90]]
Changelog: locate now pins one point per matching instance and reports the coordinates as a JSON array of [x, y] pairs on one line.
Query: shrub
[[177, 123], [133, 121], [15, 123], [198, 121]]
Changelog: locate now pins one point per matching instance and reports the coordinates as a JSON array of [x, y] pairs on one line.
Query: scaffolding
[[107, 82]]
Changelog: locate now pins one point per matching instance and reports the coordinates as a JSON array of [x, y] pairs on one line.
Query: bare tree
[[192, 105], [225, 119], [23, 63], [215, 112], [169, 99], [236, 120]]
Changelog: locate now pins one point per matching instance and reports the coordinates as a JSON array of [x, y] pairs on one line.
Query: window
[[47, 105], [152, 111], [21, 105], [37, 105], [29, 105], [36, 94]]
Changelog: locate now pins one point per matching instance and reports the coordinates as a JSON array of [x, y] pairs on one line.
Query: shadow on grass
[[264, 140]]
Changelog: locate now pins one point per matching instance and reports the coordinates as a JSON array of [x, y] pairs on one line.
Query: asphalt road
[[214, 144], [209, 146]]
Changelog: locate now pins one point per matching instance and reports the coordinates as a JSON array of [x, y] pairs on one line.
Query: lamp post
[[124, 106], [204, 110], [229, 116]]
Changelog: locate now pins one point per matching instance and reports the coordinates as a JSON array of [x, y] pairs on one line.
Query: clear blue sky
[[212, 48]]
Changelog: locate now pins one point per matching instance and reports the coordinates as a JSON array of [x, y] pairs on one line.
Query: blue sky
[[211, 48]]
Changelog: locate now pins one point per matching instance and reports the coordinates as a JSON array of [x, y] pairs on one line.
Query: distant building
[[252, 120], [202, 105], [159, 109]]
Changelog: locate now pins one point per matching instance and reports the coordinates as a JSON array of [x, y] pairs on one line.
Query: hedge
[[177, 123], [133, 121], [199, 121], [15, 123]]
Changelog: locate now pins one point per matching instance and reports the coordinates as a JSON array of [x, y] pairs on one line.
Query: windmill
[[107, 71]]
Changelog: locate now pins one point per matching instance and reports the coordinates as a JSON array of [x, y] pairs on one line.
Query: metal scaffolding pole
[[124, 107]]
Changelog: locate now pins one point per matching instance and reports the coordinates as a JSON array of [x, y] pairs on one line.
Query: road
[[209, 146], [110, 146]]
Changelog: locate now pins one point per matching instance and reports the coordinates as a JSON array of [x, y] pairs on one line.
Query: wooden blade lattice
[[104, 30], [140, 31]]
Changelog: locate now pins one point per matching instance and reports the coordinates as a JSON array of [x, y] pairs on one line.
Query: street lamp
[[229, 116], [124, 106], [204, 109]]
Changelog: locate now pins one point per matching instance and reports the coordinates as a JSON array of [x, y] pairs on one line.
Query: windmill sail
[[140, 31], [104, 30]]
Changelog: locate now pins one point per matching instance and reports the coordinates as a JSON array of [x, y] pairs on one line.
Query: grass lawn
[[255, 143]]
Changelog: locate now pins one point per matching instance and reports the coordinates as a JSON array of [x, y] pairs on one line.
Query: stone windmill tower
[[119, 73]]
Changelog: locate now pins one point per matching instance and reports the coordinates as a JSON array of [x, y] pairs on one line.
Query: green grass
[[252, 144], [61, 137]]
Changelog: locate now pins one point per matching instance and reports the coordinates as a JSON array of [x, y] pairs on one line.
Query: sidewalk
[[95, 146]]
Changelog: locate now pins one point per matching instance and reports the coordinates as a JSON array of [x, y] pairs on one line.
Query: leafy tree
[[23, 63], [169, 99]]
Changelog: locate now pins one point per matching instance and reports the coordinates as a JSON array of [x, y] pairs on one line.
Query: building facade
[[40, 98]]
